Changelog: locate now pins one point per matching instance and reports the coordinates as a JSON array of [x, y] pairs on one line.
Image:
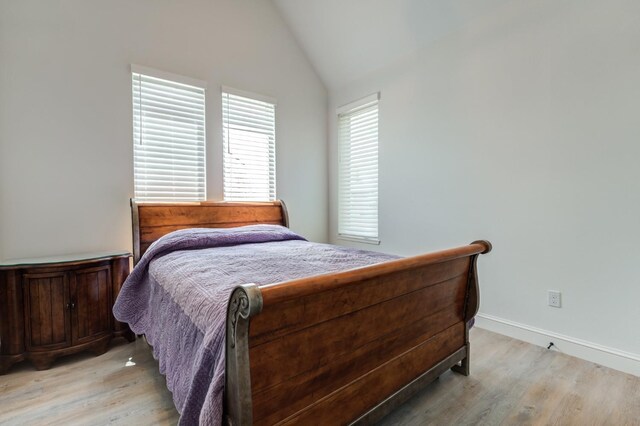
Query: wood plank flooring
[[511, 383], [516, 383]]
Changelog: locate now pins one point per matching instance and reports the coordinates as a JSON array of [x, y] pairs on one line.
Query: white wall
[[65, 111], [523, 128]]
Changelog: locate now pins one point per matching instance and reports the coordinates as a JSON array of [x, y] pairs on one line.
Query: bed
[[347, 346]]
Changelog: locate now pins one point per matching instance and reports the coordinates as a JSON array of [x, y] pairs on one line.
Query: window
[[249, 138], [168, 136], [358, 178]]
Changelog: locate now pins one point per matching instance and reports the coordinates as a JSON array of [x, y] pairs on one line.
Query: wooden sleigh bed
[[337, 348]]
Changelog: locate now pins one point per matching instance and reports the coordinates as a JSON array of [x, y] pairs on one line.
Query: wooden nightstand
[[50, 307]]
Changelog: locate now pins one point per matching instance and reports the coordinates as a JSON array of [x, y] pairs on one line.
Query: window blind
[[358, 171], [168, 139], [249, 138]]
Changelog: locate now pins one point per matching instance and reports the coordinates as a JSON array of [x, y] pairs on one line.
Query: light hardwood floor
[[511, 383]]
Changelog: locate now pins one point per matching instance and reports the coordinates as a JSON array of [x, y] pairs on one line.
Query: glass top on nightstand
[[66, 258]]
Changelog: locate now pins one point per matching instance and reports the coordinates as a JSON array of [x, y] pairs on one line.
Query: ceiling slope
[[346, 39]]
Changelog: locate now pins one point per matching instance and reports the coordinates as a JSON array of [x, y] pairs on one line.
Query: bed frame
[[338, 348]]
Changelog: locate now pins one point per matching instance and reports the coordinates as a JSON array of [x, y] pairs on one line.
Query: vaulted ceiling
[[346, 39]]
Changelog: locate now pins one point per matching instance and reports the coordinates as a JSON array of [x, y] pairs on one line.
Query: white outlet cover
[[555, 299]]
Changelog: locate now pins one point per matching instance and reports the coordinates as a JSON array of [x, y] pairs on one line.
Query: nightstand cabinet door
[[90, 292], [46, 311]]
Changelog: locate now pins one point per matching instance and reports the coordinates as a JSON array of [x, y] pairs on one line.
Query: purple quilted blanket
[[177, 297]]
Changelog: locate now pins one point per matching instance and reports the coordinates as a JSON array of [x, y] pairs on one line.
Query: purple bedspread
[[177, 296]]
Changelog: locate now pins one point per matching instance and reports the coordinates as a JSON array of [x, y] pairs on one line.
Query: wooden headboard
[[153, 220]]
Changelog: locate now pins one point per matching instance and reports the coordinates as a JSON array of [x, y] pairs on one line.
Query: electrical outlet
[[555, 299]]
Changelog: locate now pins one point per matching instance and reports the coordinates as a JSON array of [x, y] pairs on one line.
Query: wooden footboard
[[349, 347]]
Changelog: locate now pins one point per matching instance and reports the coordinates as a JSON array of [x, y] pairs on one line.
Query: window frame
[[228, 193], [174, 79], [351, 110]]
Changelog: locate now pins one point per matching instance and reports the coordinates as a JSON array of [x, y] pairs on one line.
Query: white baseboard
[[609, 357]]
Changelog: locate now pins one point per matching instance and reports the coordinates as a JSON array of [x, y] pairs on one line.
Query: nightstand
[[55, 306]]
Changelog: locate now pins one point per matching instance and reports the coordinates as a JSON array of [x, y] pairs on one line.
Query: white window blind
[[358, 178], [168, 139], [249, 138]]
